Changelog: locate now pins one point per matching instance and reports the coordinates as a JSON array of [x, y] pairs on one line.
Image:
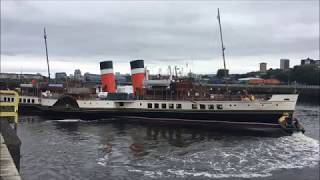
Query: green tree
[[306, 74]]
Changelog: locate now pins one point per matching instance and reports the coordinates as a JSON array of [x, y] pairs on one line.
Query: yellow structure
[[9, 108]]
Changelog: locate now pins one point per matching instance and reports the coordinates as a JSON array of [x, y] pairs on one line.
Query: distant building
[[92, 77], [263, 67], [9, 76], [284, 64], [21, 76], [61, 75], [77, 74], [308, 61], [122, 79]]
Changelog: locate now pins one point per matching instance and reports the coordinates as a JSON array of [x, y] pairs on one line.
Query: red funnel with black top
[[107, 77], [137, 76]]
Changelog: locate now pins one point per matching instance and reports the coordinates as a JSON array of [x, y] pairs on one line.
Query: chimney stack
[[107, 77], [137, 75]]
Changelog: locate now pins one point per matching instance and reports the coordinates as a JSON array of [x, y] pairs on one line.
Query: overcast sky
[[83, 33]]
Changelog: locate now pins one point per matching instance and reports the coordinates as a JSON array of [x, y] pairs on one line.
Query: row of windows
[[164, 106], [179, 106], [5, 99], [209, 106], [24, 100]]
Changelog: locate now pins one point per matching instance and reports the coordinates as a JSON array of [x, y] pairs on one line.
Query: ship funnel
[[137, 76], [107, 77]]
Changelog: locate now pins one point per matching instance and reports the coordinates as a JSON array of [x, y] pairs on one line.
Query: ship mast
[[222, 46], [45, 42]]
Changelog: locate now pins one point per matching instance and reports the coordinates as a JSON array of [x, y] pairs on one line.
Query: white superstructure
[[285, 102]]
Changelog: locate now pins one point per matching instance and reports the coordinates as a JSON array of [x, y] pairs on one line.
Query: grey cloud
[[158, 31]]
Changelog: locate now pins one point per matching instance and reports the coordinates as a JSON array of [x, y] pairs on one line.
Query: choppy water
[[91, 150]]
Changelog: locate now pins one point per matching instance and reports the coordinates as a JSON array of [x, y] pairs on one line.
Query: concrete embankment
[[9, 152]]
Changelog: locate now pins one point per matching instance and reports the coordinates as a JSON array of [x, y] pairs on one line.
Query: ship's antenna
[[170, 73], [45, 42], [222, 46], [176, 69]]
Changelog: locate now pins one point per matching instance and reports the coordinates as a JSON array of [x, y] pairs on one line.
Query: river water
[[92, 150]]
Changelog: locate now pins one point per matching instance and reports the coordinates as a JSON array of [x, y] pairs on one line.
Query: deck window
[[20, 100], [202, 106], [171, 106], [32, 101], [121, 104], [219, 106], [12, 99], [28, 100], [156, 105], [178, 106], [149, 105], [210, 106], [194, 106], [5, 99], [164, 106]]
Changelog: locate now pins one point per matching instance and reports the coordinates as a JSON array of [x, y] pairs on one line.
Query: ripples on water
[[83, 150]]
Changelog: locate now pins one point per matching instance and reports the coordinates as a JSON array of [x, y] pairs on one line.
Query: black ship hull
[[183, 116]]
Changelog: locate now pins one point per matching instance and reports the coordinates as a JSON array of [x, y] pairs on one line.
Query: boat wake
[[228, 157]]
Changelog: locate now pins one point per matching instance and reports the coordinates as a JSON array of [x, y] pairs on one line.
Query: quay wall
[[11, 140]]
